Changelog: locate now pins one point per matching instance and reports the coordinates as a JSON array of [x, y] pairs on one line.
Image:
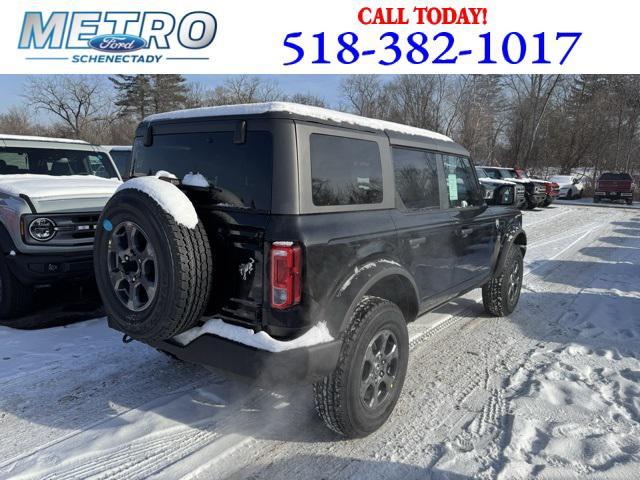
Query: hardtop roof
[[398, 133]]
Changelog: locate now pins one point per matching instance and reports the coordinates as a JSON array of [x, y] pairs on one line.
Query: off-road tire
[[531, 205], [184, 269], [495, 293], [337, 396], [546, 203], [15, 298]]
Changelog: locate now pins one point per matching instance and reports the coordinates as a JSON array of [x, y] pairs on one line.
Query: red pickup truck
[[614, 186]]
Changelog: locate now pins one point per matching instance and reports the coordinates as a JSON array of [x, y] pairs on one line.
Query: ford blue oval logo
[[117, 43]]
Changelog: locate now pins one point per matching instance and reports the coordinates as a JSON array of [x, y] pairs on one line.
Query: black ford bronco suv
[[314, 238]]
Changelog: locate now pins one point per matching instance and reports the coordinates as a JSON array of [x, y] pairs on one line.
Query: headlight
[[42, 229]]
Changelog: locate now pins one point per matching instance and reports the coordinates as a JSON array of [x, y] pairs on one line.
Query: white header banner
[[329, 36]]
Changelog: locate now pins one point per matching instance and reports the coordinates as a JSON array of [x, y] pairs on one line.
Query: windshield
[[561, 179], [55, 162], [481, 173], [240, 173], [616, 176], [499, 173], [122, 159]]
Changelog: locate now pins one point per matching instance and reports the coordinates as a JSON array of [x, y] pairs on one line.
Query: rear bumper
[[614, 195], [43, 269], [300, 365]]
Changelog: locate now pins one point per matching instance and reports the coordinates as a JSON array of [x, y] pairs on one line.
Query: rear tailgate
[[614, 185], [237, 239]]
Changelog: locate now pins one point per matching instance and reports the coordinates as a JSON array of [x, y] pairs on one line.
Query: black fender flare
[[6, 242], [514, 235], [380, 276]]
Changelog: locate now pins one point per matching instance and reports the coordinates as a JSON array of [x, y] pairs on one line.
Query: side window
[[345, 171], [96, 167], [461, 183], [13, 162], [416, 174]]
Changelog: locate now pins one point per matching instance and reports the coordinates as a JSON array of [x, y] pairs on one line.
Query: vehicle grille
[[72, 229]]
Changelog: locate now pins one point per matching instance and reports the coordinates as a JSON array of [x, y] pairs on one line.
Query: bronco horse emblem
[[246, 268]]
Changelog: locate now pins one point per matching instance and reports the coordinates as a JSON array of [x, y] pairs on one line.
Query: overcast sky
[[325, 86]]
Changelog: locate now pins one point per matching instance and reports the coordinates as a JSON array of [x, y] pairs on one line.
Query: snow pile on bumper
[[261, 340]]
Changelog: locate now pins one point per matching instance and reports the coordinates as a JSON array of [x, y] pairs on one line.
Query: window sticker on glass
[[452, 182]]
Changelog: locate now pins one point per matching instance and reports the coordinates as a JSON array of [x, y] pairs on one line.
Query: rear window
[[55, 162], [345, 171], [238, 174], [616, 176]]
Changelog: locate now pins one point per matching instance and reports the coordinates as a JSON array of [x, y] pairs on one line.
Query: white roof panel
[[297, 109]]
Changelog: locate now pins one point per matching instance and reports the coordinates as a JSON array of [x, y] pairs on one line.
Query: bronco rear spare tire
[[153, 273]]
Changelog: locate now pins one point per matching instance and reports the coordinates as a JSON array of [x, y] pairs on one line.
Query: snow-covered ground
[[552, 392]]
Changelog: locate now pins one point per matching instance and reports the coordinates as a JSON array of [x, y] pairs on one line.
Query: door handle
[[416, 242], [466, 231]]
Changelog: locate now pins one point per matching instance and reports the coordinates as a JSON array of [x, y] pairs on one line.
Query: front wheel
[[15, 298], [501, 294], [629, 202], [360, 394], [569, 195], [596, 199]]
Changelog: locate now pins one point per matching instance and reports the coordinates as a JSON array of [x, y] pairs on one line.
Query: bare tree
[[17, 121], [77, 102]]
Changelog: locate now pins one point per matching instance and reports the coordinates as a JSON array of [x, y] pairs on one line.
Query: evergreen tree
[[142, 95]]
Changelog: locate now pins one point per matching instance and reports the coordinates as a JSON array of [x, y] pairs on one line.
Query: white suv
[[51, 194]]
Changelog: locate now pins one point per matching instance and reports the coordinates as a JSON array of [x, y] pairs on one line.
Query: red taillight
[[286, 285]]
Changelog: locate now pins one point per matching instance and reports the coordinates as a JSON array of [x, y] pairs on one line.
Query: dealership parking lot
[[552, 391]]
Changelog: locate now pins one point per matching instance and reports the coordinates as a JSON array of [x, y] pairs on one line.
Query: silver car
[[51, 194]]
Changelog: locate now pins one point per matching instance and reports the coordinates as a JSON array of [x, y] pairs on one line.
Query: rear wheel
[[501, 294], [629, 202], [15, 298], [359, 396]]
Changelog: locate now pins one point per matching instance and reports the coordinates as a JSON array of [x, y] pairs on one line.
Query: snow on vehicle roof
[[118, 147], [297, 109], [27, 138]]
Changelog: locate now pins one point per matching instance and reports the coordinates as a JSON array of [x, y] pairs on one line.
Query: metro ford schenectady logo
[[116, 37], [117, 43]]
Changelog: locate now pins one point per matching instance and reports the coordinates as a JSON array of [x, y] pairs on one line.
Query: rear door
[[475, 231]]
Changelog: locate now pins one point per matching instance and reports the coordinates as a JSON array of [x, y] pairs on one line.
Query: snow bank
[[297, 109], [195, 180], [48, 186], [260, 340], [168, 196]]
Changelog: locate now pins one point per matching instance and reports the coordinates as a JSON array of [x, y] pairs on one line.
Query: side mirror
[[485, 193], [574, 181]]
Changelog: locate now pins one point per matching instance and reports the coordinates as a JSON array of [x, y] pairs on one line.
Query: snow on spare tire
[[152, 260]]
